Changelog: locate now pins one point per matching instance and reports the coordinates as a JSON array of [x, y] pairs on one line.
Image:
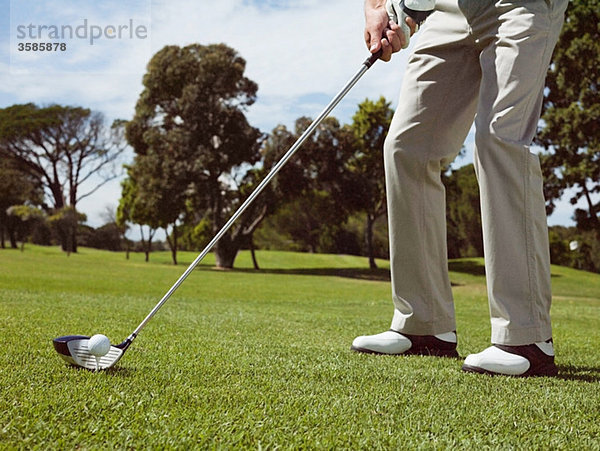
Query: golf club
[[74, 348]]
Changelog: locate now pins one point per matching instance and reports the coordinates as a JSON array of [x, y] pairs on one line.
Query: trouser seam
[[531, 261], [434, 144]]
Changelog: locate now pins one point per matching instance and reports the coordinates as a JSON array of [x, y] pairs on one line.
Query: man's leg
[[435, 111], [517, 41]]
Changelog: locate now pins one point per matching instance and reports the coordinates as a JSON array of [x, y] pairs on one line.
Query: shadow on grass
[[471, 267], [379, 274], [578, 373]]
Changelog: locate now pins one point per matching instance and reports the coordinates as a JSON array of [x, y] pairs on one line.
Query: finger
[[394, 40], [414, 27], [386, 50], [372, 41], [395, 37]]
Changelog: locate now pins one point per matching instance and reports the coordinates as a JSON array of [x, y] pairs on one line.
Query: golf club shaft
[[365, 66]]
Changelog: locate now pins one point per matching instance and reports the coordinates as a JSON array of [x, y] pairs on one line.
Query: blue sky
[[299, 52]]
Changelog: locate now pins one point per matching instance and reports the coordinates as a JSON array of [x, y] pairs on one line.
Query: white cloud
[[310, 47], [300, 53]]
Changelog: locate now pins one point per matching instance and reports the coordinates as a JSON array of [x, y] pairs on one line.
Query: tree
[[313, 191], [62, 146], [16, 188], [305, 219], [107, 237], [571, 119], [112, 224], [190, 117], [24, 217], [575, 248], [136, 209], [160, 194], [123, 213], [370, 124], [64, 223]]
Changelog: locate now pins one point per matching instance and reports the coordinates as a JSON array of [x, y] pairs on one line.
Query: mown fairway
[[261, 359]]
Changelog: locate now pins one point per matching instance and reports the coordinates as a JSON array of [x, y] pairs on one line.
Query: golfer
[[482, 61]]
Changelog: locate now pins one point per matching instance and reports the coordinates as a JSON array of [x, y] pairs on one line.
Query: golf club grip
[[373, 58], [274, 170]]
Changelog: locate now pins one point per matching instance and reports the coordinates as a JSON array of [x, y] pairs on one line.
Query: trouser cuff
[[408, 324], [520, 337]]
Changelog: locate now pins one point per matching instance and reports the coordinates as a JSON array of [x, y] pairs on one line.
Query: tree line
[[48, 157], [197, 158]]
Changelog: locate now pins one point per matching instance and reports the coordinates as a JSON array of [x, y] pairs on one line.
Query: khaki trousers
[[482, 60]]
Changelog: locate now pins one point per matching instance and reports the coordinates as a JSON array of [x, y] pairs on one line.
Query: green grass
[[261, 359]]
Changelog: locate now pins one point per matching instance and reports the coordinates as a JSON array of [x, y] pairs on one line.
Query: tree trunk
[[253, 253], [148, 248], [228, 246], [74, 239], [69, 242], [592, 211], [68, 238], [225, 253], [151, 233], [127, 244], [146, 245], [369, 240], [57, 193], [172, 243], [12, 234]]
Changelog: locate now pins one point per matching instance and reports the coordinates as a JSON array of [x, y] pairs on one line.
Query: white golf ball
[[98, 345]]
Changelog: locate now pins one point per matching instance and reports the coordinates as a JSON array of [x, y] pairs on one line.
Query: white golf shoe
[[392, 342], [522, 361]]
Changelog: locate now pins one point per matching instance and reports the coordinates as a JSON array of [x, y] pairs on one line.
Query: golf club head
[[74, 350]]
